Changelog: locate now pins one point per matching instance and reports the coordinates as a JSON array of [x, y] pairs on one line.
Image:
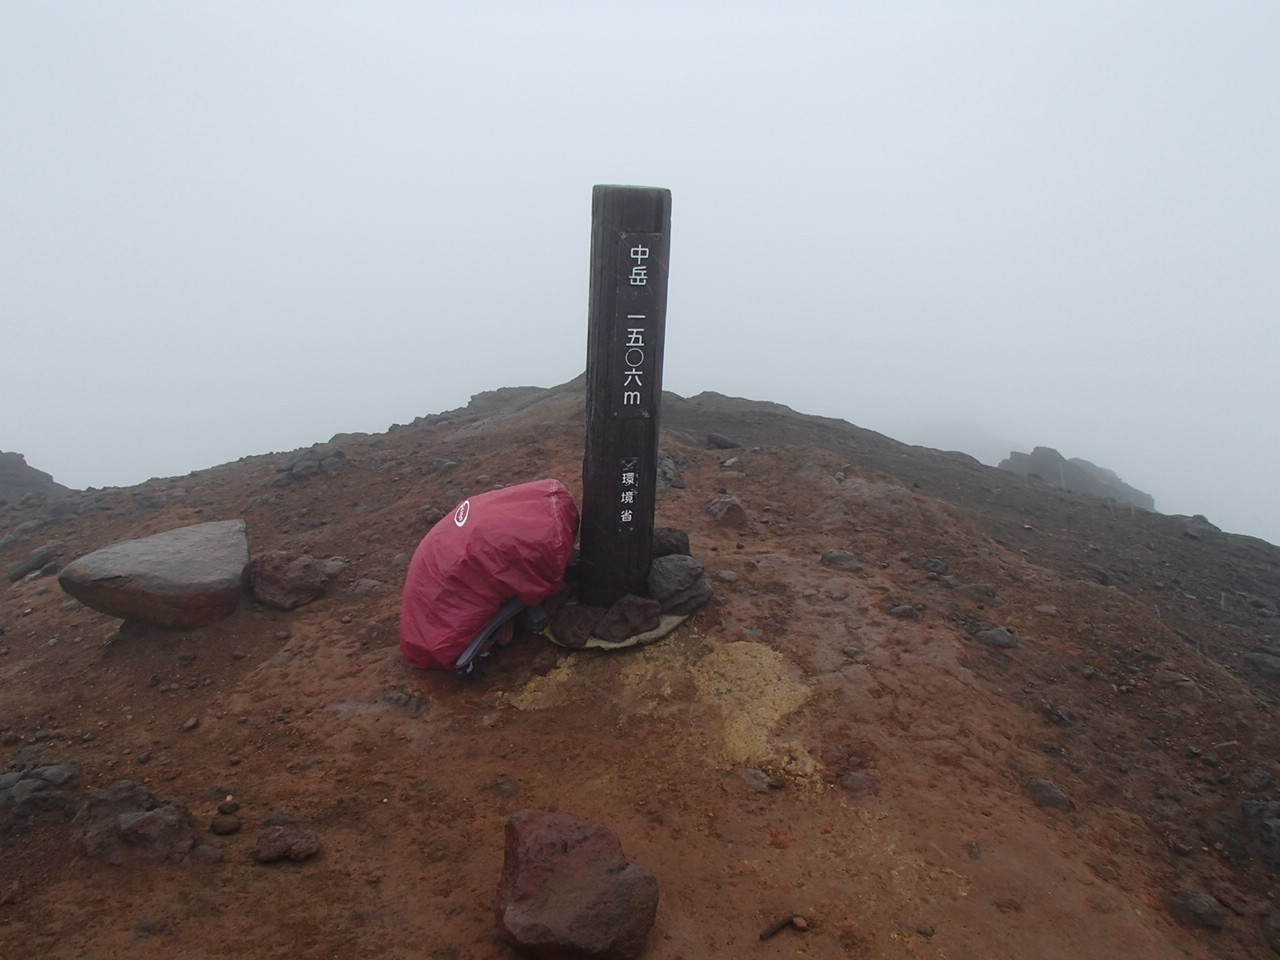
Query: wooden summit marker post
[[630, 247]]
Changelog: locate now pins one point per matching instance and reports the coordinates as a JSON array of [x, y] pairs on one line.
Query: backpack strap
[[485, 639]]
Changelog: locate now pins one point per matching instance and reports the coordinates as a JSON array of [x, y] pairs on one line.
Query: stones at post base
[[679, 583], [677, 586], [669, 540], [181, 578], [568, 890]]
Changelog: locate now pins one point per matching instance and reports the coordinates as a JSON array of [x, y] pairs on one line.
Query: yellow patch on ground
[[754, 688]]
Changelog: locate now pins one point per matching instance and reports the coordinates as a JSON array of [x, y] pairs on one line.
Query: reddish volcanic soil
[[840, 745]]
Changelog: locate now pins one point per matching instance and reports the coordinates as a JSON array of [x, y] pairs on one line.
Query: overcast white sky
[[231, 228]]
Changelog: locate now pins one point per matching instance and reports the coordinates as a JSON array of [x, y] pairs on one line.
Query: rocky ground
[[1015, 722]]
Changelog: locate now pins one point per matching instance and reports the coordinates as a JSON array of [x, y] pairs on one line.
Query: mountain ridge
[[866, 748]]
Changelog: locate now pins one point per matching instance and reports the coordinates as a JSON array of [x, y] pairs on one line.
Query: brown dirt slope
[[803, 744]]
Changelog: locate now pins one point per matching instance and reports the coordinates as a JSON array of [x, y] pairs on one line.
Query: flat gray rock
[[180, 578]]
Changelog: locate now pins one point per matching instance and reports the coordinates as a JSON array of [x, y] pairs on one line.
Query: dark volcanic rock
[[568, 891], [286, 580], [718, 441], [180, 578], [628, 617], [126, 817], [165, 833], [321, 458], [31, 563], [1046, 793], [572, 625], [1198, 528], [726, 511], [669, 540], [1196, 909], [1265, 663], [679, 584], [859, 785], [670, 471], [287, 841], [841, 560], [1262, 821]]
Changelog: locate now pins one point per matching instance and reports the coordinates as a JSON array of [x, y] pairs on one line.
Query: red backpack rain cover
[[514, 542]]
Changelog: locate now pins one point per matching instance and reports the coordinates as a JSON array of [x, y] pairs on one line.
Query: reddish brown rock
[[629, 616], [568, 890], [286, 580], [286, 842]]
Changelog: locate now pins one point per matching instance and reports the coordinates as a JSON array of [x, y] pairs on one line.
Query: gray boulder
[[1001, 638], [567, 890], [181, 578]]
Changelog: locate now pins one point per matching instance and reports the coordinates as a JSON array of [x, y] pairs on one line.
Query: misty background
[[231, 228]]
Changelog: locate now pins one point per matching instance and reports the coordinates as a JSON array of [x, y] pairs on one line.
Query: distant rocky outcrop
[[18, 479], [1076, 475]]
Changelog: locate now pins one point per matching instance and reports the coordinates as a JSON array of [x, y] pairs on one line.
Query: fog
[[231, 228]]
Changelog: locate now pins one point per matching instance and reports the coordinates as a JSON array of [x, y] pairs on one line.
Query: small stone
[[507, 787], [905, 611], [726, 511], [727, 576], [224, 825], [841, 560], [286, 842], [1046, 793], [999, 637], [925, 929], [799, 923], [189, 724], [755, 779], [859, 785], [668, 541], [679, 584], [228, 807]]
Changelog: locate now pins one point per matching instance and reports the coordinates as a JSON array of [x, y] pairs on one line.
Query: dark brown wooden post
[[630, 244]]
